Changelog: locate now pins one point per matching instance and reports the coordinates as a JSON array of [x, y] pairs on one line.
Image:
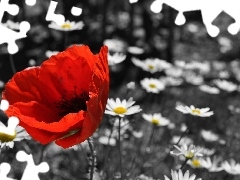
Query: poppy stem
[[12, 63], [119, 147], [93, 157]]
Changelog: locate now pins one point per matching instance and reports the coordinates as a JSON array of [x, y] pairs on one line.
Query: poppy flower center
[[74, 104], [152, 86], [7, 137], [66, 26], [155, 121], [196, 111], [120, 110]]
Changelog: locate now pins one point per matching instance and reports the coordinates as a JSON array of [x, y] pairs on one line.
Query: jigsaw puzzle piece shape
[[31, 171]]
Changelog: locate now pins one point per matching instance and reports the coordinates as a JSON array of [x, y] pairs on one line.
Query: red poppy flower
[[64, 99]]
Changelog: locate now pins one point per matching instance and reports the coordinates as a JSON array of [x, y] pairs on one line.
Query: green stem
[[93, 157]]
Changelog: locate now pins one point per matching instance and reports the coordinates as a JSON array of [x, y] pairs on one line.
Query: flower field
[[103, 90]]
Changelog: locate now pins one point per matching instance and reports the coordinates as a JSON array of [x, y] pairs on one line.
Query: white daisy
[[209, 135], [193, 78], [135, 50], [195, 163], [178, 175], [156, 119], [209, 89], [174, 72], [150, 65], [115, 45], [188, 152], [121, 108], [116, 58], [67, 26], [4, 170], [213, 165], [131, 85], [12, 133], [171, 81], [152, 85], [12, 25], [203, 112], [231, 167], [226, 85]]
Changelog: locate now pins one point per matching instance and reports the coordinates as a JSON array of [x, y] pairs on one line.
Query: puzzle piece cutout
[[31, 171], [4, 170], [7, 35], [59, 19], [30, 2], [209, 9]]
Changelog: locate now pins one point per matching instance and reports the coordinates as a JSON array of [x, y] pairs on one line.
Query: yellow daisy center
[[152, 85], [150, 66], [66, 26], [7, 137], [155, 121], [189, 155], [196, 163], [196, 111], [120, 110]]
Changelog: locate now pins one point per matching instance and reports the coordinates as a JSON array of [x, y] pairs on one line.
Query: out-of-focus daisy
[[184, 140], [105, 140], [131, 85], [180, 63], [12, 25], [203, 112], [225, 44], [156, 119], [143, 177], [193, 78], [32, 62], [4, 105], [174, 72], [224, 74], [171, 81], [50, 53], [67, 26], [231, 167], [178, 175], [135, 50], [2, 84], [202, 67], [219, 65], [226, 85], [213, 165], [121, 108], [209, 89], [195, 163], [116, 58], [150, 65], [152, 85], [209, 135], [206, 151], [188, 152], [115, 45]]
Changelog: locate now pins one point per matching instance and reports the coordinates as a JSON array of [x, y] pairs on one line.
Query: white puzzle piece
[[31, 171]]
